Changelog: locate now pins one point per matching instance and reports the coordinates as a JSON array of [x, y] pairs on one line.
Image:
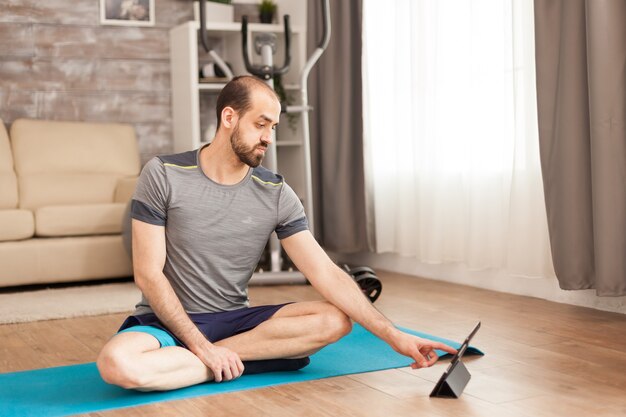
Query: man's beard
[[247, 155]]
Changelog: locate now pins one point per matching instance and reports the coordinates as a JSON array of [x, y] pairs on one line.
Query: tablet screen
[[464, 346]]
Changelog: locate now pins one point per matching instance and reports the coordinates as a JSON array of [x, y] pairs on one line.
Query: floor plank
[[543, 359]]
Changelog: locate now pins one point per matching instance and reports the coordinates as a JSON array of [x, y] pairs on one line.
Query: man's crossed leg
[[136, 360]]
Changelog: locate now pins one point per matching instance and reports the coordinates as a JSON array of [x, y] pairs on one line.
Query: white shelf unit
[[186, 55]]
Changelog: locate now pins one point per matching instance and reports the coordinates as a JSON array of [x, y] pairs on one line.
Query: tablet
[[455, 360]]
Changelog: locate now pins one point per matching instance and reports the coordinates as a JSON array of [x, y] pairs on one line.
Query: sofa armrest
[[124, 189]]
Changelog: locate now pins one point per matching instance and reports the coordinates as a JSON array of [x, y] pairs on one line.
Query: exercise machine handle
[[287, 62], [304, 101], [315, 56], [203, 35], [325, 26], [205, 43], [265, 72]]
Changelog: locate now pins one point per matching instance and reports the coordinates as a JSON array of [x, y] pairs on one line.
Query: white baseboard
[[545, 288]]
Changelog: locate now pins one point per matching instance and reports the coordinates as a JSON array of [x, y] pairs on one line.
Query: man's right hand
[[223, 363], [149, 254]]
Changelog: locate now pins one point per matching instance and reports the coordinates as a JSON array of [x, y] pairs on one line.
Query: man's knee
[[335, 324], [116, 367]]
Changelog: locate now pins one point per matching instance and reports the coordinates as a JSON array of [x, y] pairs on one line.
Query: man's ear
[[229, 117]]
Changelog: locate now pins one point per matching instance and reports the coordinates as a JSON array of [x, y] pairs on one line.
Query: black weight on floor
[[370, 285], [367, 280]]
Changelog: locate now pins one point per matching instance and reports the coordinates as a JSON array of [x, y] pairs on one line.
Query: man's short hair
[[237, 93]]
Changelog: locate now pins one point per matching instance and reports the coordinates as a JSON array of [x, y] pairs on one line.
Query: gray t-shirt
[[215, 234]]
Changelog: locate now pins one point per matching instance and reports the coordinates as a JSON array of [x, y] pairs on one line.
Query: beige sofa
[[63, 190]]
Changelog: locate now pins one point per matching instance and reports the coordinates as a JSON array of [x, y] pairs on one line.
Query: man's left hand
[[421, 350]]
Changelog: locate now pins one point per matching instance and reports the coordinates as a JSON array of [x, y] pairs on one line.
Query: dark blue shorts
[[214, 326]]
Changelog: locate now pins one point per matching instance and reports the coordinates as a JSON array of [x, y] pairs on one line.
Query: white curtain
[[451, 133]]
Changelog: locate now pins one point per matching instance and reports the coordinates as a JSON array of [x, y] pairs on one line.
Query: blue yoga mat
[[76, 389]]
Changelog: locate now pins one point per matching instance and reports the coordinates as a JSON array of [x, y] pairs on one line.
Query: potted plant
[[267, 9]]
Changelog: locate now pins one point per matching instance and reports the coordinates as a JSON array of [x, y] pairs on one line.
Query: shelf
[[288, 143], [211, 86], [278, 143], [219, 86], [235, 27]]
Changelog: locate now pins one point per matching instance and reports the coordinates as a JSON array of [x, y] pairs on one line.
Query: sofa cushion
[[63, 259], [79, 220], [65, 189], [125, 189], [16, 224], [69, 163], [8, 181]]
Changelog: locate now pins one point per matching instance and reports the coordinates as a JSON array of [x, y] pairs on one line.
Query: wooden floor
[[542, 359]]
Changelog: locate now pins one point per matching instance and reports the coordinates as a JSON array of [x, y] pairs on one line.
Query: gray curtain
[[337, 128], [581, 93]]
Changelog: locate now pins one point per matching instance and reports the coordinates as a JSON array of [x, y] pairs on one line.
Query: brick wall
[[57, 62]]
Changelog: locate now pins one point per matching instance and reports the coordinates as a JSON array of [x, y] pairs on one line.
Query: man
[[200, 222]]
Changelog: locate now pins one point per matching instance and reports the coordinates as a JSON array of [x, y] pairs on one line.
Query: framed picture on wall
[[127, 12]]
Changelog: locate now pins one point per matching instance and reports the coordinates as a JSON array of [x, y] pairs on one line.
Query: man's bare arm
[[148, 261], [341, 290]]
